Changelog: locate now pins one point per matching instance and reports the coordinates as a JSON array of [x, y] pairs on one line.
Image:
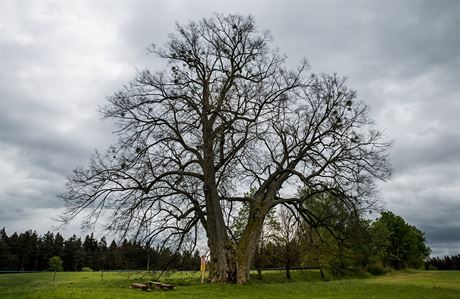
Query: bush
[[377, 269], [430, 267], [86, 269]]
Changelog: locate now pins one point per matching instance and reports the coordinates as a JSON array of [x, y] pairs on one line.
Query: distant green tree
[[24, 246], [114, 256], [320, 248], [55, 264], [335, 234], [8, 260], [46, 249], [91, 248], [102, 254], [58, 246], [73, 254], [377, 248], [406, 244]]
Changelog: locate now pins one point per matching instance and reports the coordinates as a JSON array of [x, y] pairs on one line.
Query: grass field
[[305, 284]]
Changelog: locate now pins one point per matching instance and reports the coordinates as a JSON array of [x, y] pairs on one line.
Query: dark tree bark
[[225, 118]]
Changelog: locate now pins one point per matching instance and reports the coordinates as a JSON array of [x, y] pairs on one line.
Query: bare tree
[[288, 238], [224, 118]]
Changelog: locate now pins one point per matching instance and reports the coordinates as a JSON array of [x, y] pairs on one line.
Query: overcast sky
[[59, 60]]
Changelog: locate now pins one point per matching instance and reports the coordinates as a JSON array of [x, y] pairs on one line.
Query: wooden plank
[[161, 285], [140, 286]]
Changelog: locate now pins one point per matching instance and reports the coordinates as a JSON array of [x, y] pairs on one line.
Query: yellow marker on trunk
[[203, 268]]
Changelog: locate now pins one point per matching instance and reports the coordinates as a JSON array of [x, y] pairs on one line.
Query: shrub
[[376, 269], [86, 269]]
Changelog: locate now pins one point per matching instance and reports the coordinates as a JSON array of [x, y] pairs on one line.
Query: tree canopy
[[406, 244], [224, 118]]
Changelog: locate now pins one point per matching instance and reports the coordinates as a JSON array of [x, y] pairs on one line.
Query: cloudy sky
[[59, 60]]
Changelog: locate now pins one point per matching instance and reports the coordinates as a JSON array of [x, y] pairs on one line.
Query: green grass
[[428, 279], [305, 284]]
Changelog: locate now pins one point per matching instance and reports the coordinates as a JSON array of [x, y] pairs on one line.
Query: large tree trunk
[[221, 266], [246, 248], [215, 225], [226, 265]]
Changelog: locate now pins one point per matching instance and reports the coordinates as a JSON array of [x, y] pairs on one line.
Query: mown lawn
[[305, 284]]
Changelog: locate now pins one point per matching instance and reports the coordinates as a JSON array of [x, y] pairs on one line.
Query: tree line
[[343, 244], [29, 251], [443, 263], [346, 244]]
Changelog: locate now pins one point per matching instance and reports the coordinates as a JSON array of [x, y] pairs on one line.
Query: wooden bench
[[162, 286], [141, 286]]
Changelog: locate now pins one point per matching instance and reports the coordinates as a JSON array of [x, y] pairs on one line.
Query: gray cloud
[[61, 60]]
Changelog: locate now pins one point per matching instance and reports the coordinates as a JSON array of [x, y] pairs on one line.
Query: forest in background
[[359, 246]]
